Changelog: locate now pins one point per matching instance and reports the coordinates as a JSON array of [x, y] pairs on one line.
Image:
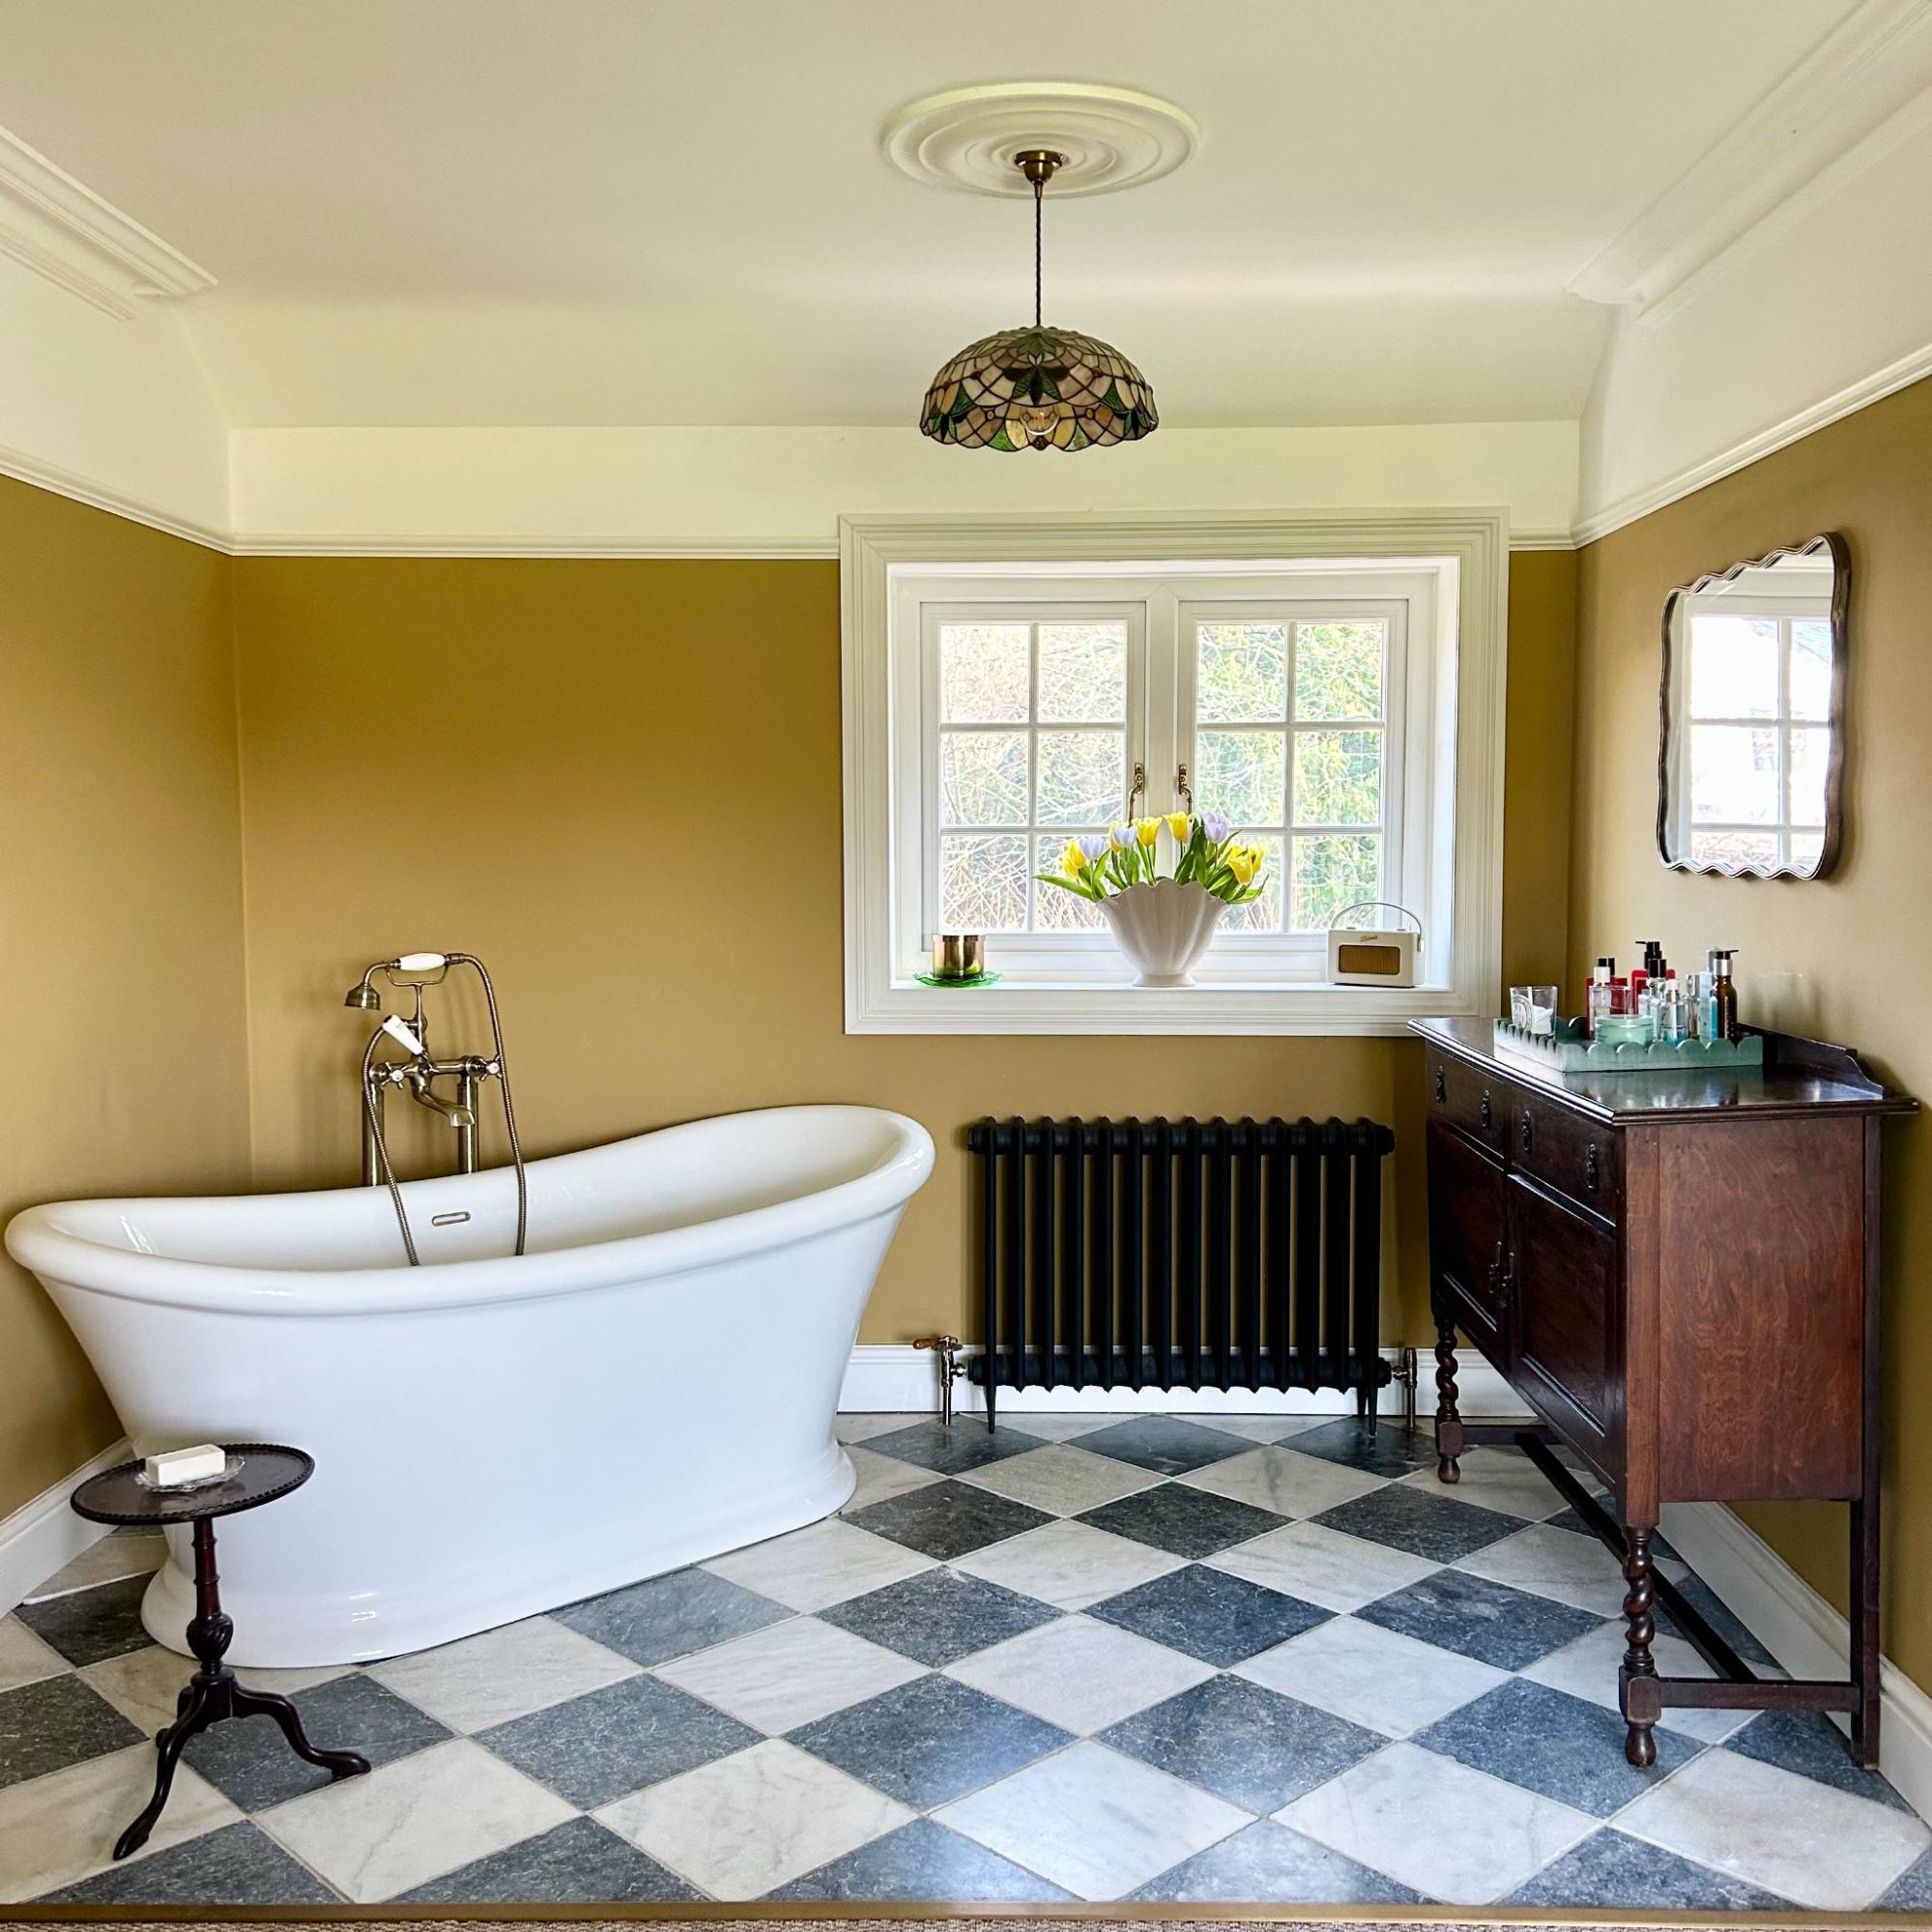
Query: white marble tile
[[853, 1426], [411, 1821], [501, 1674], [822, 1564], [1093, 1821], [788, 1674], [1283, 1481], [1587, 1668], [1061, 1427], [1069, 1565], [1496, 1478], [884, 1475], [1803, 1840], [1259, 1428], [1376, 1678], [104, 1562], [1061, 1480], [746, 1823], [1575, 1569], [23, 1657], [144, 1684], [1322, 1565], [1079, 1674], [1436, 1826], [57, 1829]]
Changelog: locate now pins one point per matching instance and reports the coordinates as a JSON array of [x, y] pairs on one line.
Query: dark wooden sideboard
[[1679, 1273]]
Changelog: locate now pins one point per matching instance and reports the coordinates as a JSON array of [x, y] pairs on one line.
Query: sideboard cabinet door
[[1467, 1238]]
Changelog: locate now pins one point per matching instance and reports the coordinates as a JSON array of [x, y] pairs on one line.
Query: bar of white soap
[[173, 1467]]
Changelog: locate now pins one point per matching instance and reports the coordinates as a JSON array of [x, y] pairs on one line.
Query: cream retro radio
[[1359, 955]]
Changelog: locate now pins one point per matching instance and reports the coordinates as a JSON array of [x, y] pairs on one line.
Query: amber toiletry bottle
[[1723, 995]]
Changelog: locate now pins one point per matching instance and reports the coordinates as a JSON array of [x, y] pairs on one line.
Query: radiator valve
[[947, 1348]]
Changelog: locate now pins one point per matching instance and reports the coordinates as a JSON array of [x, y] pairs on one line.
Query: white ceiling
[[573, 212]]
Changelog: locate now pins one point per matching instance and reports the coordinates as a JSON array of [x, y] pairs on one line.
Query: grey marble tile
[[1495, 1624], [938, 1617], [580, 1863], [238, 1864], [1609, 1871], [929, 1740], [1721, 1618], [947, 1519], [1910, 1892], [1208, 1614], [670, 1616], [86, 1625], [248, 1761], [966, 1445], [1808, 1742], [125, 1553], [23, 1657], [1167, 1445], [1188, 1522], [56, 1722], [1246, 1744], [608, 1743], [1380, 1449], [1552, 1743], [1268, 1864], [1424, 1526], [923, 1861]]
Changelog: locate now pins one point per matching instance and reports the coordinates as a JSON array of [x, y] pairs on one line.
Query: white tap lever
[[406, 1035]]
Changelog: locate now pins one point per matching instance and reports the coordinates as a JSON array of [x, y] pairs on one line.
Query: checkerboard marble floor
[[1251, 1659]]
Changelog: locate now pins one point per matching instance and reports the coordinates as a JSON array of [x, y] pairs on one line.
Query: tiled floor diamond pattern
[[1265, 1658]]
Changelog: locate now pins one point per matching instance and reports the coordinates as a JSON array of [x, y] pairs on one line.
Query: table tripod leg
[[247, 1703], [198, 1712]]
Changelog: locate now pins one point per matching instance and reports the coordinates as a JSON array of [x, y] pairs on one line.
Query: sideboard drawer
[[1577, 1156], [1481, 1105]]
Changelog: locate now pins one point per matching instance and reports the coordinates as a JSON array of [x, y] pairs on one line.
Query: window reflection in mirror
[[1752, 748]]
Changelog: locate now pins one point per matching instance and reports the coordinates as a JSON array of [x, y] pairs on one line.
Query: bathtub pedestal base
[[213, 1692]]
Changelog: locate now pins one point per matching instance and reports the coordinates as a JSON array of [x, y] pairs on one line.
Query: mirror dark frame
[[1828, 543]]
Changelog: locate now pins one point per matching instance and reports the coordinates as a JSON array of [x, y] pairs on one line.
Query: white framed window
[[1333, 686]]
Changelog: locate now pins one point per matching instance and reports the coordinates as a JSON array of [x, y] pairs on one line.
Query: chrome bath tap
[[418, 1070]]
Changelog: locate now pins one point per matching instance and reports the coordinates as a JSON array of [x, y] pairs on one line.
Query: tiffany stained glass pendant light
[[1038, 387]]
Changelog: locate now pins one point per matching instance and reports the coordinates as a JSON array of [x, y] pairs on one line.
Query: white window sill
[[1227, 1007]]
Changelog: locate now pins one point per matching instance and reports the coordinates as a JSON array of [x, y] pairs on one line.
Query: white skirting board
[[899, 1380], [1803, 1632], [44, 1535]]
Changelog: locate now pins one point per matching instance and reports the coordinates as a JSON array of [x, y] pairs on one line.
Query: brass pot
[[958, 956]]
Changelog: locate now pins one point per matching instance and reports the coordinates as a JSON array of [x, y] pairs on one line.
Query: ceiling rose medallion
[[1038, 387]]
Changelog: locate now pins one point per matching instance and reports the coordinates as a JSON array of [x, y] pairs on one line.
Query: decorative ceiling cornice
[[61, 229], [1860, 75]]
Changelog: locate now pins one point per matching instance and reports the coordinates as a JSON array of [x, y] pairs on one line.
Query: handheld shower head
[[363, 998]]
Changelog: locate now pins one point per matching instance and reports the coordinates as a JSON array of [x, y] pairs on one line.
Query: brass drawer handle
[[1441, 1085], [1523, 1134], [1591, 1175], [1488, 1112]]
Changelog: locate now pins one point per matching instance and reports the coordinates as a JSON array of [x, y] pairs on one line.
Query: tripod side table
[[257, 1473]]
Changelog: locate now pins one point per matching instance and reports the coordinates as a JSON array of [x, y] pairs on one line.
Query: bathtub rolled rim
[[68, 1260]]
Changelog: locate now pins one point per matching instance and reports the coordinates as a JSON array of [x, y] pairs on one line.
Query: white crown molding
[[1877, 60], [62, 230], [349, 543], [25, 468], [1793, 428]]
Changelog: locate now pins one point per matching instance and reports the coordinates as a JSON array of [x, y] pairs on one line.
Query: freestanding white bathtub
[[652, 1384]]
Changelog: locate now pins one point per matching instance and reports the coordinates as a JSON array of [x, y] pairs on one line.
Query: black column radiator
[[1180, 1254]]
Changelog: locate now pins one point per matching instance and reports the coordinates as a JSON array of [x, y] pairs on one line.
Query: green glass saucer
[[955, 985]]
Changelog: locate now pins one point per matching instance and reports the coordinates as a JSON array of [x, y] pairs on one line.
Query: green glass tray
[[1586, 1056], [957, 985]]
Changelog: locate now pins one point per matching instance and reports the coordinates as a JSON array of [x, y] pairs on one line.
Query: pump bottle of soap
[[1721, 1021]]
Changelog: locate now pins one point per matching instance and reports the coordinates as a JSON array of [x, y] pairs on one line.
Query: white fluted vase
[[1164, 929]]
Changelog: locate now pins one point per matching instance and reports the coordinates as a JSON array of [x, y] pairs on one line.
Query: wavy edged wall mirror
[[1752, 755]]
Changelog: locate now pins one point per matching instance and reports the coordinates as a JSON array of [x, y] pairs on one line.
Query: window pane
[[1810, 751], [1810, 670], [1263, 915], [1338, 778], [1806, 849], [1054, 910], [1242, 672], [1083, 777], [1734, 774], [1083, 673], [1734, 848], [1733, 666], [1244, 775], [983, 883], [1338, 670], [983, 673], [1330, 874], [983, 778]]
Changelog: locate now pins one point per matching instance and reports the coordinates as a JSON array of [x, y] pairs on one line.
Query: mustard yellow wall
[[121, 993], [1844, 958]]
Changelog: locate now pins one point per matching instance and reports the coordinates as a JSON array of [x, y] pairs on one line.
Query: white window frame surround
[[1452, 820]]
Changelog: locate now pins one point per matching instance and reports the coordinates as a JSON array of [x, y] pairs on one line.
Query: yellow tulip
[[1244, 861], [1074, 862], [1178, 824], [1146, 830]]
